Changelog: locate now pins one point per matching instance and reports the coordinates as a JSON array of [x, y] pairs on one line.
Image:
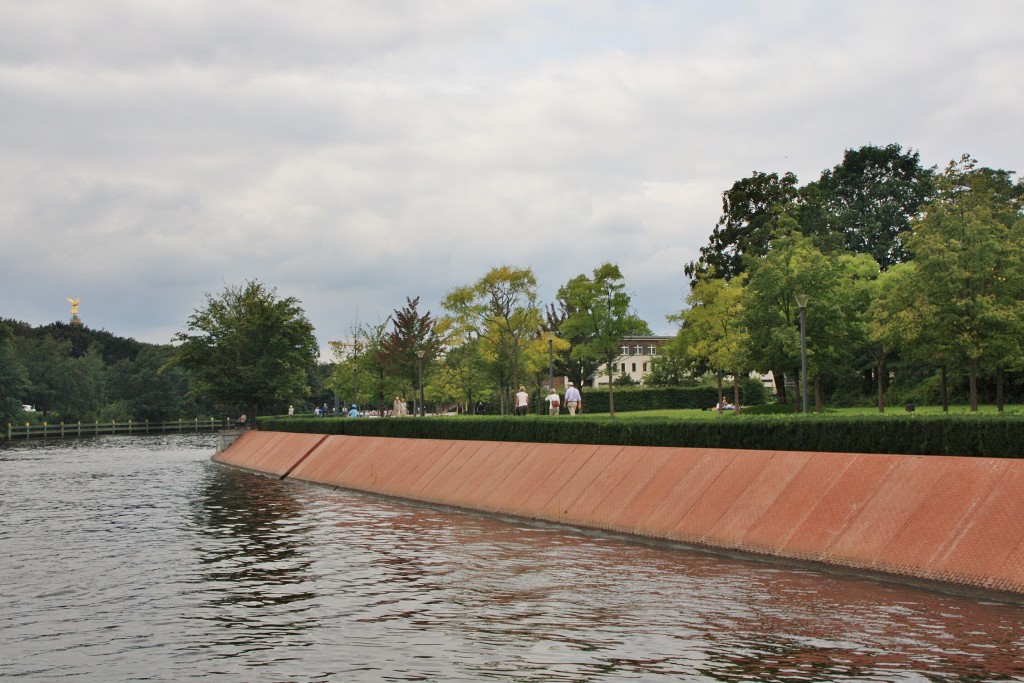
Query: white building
[[634, 359], [636, 354]]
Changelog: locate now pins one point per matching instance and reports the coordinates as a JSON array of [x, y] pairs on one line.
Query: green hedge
[[630, 399], [973, 435]]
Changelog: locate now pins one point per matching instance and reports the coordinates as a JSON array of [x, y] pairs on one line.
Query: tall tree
[[871, 197], [465, 369], [13, 379], [411, 335], [749, 213], [897, 323], [248, 348], [770, 312], [969, 253], [500, 309], [715, 325], [576, 369], [602, 318], [375, 361]]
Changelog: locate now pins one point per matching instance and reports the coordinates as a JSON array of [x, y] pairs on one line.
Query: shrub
[[630, 399], [970, 435]]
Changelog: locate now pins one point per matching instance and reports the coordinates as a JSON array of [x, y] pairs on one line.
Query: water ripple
[[135, 558]]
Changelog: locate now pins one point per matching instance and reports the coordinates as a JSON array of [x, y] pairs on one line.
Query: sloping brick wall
[[947, 519]]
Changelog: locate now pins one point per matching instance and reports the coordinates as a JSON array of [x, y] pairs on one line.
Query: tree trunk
[[945, 390], [972, 373], [720, 395], [1000, 378], [611, 394], [798, 404], [736, 391], [881, 374], [780, 385]]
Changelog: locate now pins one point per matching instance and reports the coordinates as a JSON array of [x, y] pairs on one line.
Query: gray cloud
[[353, 154]]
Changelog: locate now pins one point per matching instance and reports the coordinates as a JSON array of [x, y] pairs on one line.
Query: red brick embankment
[[947, 519]]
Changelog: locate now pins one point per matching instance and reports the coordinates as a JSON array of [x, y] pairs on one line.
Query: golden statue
[[75, 320]]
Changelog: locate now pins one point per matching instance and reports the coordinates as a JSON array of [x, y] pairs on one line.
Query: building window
[[651, 350], [625, 350], [645, 367], [623, 368], [634, 367], [638, 349]]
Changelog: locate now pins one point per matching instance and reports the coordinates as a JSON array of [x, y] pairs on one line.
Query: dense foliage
[[601, 318], [248, 348], [704, 397], [914, 282], [73, 373]]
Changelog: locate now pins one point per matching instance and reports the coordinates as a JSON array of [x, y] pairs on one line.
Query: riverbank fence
[[76, 429]]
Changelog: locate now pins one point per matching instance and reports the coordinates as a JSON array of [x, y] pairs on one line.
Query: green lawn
[[787, 411]]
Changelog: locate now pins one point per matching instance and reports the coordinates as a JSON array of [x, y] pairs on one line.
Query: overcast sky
[[352, 154]]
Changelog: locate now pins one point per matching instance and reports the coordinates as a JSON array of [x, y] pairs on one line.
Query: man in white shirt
[[573, 399]]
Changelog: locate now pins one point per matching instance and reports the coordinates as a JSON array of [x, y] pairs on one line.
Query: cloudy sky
[[355, 153]]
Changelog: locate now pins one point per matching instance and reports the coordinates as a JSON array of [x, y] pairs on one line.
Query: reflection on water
[[250, 562], [136, 558]]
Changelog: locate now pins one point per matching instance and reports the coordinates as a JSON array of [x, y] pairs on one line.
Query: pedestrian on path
[[573, 399], [522, 401], [553, 402]]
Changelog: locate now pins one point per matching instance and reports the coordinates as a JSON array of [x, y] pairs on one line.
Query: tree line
[[71, 373], [248, 350], [913, 278], [495, 335]]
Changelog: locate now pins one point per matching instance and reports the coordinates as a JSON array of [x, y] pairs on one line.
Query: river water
[[138, 559]]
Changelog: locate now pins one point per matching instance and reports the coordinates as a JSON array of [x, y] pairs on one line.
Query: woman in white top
[[522, 401]]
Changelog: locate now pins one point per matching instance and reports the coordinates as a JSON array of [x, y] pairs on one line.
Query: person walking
[[573, 399], [291, 411], [522, 401], [553, 402]]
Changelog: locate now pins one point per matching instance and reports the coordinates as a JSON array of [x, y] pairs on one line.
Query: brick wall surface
[[947, 519]]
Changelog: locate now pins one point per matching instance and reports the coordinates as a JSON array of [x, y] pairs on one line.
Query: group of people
[[317, 411], [573, 401], [400, 408]]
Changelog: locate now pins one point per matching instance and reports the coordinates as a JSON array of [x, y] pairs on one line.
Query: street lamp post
[[801, 301], [551, 363], [419, 356]]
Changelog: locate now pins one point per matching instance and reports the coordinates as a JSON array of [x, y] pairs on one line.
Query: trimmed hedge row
[[973, 435], [631, 399]]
